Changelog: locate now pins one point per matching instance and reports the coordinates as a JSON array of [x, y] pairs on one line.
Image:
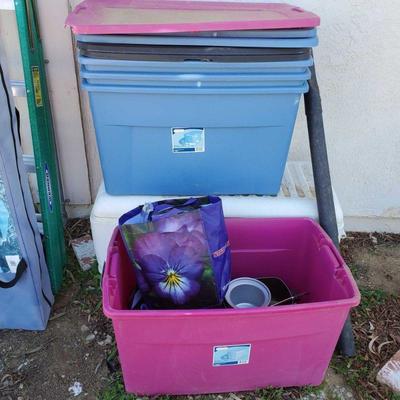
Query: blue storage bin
[[189, 127], [104, 65], [193, 141], [195, 80], [301, 33], [140, 52], [238, 39]]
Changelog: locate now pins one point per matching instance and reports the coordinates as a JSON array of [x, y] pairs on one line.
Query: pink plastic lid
[[167, 16]]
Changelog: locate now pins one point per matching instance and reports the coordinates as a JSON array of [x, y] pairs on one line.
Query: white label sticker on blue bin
[[188, 140], [231, 355]]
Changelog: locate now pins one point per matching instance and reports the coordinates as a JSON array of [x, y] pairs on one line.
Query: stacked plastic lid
[[111, 33], [165, 16], [204, 64], [192, 30], [266, 52]]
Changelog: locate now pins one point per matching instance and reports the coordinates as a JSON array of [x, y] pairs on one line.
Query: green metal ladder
[[44, 149]]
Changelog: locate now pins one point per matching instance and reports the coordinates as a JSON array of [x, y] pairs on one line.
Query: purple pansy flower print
[[172, 263], [185, 222], [190, 220]]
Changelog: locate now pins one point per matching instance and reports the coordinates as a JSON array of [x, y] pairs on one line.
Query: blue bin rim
[[300, 33], [188, 77], [214, 65], [198, 91], [201, 41]]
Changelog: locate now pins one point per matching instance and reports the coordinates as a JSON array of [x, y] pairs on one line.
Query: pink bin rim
[[168, 16], [112, 313]]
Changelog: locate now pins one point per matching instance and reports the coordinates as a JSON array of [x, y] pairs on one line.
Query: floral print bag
[[180, 252]]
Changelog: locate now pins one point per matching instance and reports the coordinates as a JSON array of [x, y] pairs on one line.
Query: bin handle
[[335, 253], [298, 90], [112, 270], [109, 288]]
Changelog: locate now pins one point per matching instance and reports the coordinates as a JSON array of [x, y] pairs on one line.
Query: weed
[[115, 390], [371, 298], [355, 270], [270, 394], [374, 318]]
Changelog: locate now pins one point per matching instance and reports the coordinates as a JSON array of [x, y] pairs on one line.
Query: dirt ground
[[43, 365], [77, 350], [73, 349], [378, 266]]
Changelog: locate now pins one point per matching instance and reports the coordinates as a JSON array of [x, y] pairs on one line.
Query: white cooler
[[295, 199]]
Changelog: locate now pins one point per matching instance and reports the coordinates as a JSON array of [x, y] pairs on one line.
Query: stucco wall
[[358, 62]]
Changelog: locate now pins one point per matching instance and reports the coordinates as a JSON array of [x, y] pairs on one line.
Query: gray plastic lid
[[191, 53]]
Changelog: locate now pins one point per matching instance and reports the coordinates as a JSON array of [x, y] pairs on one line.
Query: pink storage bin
[[172, 352]]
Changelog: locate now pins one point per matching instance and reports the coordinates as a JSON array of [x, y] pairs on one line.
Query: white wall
[[358, 63], [63, 92]]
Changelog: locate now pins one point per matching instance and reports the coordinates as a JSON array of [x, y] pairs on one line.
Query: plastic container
[[301, 33], [165, 16], [224, 140], [194, 80], [247, 293], [295, 33], [196, 40], [227, 350], [190, 53], [188, 67], [195, 54], [194, 127], [295, 199]]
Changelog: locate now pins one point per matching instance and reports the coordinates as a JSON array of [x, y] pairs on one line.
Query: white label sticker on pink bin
[[231, 355]]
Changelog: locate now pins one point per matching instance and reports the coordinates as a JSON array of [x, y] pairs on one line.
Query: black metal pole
[[323, 187]]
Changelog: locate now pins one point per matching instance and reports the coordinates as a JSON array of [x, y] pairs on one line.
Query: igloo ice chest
[[296, 198], [227, 350]]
